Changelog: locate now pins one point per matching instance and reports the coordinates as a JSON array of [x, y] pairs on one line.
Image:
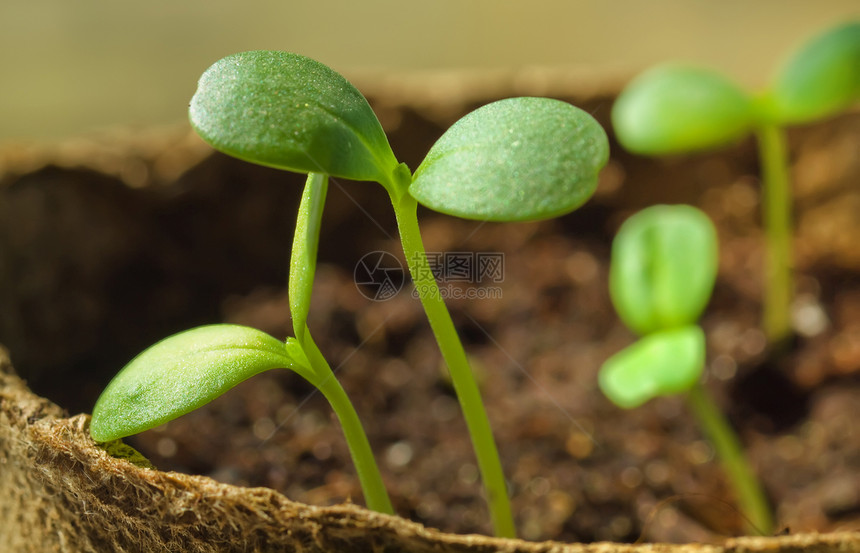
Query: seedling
[[664, 264], [677, 108], [189, 369], [516, 159]]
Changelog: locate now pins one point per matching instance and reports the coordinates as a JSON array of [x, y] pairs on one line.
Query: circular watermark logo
[[378, 276]]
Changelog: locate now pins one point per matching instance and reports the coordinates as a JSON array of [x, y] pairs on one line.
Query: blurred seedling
[[675, 109], [517, 159], [663, 268]]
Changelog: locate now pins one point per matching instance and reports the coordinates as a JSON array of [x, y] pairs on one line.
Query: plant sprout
[[664, 264], [189, 369], [677, 108], [517, 159]]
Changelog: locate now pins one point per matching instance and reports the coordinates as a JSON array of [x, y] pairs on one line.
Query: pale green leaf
[[821, 79], [183, 372], [518, 159], [663, 267], [291, 112], [660, 364], [675, 108]]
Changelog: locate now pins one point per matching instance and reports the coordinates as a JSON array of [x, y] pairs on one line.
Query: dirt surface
[[98, 264]]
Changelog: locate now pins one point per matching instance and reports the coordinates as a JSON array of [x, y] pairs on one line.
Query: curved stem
[[406, 211], [303, 257], [375, 494], [776, 217], [750, 494], [302, 268]]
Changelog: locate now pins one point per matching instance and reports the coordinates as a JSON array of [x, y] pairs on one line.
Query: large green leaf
[[664, 363], [821, 79], [291, 112], [514, 160], [663, 267], [676, 108], [185, 371]]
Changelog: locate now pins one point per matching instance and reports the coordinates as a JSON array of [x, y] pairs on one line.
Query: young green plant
[[679, 108], [663, 268], [189, 369], [516, 159]]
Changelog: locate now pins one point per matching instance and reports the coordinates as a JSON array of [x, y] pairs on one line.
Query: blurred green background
[[71, 67]]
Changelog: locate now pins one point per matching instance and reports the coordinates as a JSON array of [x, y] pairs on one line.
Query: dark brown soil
[[96, 265]]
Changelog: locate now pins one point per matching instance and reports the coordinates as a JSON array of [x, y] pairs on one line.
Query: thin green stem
[[750, 494], [461, 374], [776, 217], [375, 494], [303, 257], [302, 268]]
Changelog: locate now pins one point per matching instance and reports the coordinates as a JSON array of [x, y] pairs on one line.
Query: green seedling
[[677, 109], [516, 159], [664, 264], [189, 369]]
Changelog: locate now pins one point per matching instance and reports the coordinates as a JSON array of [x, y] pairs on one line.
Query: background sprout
[[675, 109], [819, 80], [639, 373], [663, 267], [651, 280], [680, 108]]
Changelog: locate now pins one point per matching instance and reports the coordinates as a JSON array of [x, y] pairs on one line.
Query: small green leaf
[[518, 159], [660, 364], [183, 372], [674, 109], [821, 79], [119, 450], [290, 112], [663, 267]]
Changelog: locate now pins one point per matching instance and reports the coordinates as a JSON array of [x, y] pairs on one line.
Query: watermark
[[380, 276], [452, 292], [467, 267]]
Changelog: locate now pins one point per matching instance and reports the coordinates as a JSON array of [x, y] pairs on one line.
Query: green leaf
[[674, 109], [518, 159], [663, 267], [821, 79], [287, 111], [183, 372], [660, 364]]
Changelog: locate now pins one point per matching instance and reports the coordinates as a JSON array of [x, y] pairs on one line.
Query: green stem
[[776, 217], [750, 494], [302, 268], [406, 211], [375, 494], [303, 257]]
